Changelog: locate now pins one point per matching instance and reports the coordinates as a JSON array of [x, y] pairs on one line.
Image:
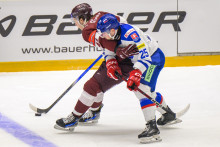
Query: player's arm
[[126, 52], [110, 58], [92, 37], [144, 57], [110, 55]]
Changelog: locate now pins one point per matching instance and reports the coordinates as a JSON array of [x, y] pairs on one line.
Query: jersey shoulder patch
[[135, 37], [129, 32]]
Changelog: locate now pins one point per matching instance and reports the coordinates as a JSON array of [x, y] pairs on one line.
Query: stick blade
[[183, 111], [38, 110], [33, 107]]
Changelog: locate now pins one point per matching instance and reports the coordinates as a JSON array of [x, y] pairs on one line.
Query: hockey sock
[[159, 99], [148, 109], [95, 106]]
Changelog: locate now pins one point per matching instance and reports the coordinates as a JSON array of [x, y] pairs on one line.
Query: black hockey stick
[[38, 110], [150, 98]]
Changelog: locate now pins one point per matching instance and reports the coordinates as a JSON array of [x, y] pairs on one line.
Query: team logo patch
[[135, 37], [129, 32], [104, 21]]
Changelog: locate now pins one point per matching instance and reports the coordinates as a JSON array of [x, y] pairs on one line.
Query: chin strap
[[85, 22], [118, 34], [113, 37]]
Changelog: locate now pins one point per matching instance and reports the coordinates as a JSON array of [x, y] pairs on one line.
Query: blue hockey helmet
[[107, 22]]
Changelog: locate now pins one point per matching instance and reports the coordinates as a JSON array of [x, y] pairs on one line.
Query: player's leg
[[158, 61], [90, 92], [92, 95], [148, 85], [93, 113], [151, 132], [166, 118], [106, 83]]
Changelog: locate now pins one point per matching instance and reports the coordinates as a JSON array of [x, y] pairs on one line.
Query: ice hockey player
[[104, 78], [147, 66], [94, 89]]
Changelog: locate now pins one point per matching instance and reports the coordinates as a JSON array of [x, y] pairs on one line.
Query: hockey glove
[[127, 51], [134, 79], [112, 67]]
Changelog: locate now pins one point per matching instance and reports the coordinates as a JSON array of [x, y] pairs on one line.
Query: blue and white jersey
[[146, 45]]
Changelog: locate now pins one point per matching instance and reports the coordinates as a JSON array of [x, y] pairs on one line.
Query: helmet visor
[[73, 18]]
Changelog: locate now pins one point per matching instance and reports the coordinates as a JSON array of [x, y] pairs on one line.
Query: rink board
[[81, 64]]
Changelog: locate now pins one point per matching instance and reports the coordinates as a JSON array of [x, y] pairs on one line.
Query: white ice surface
[[121, 119]]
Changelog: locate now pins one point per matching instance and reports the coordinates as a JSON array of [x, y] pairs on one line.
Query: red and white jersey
[[90, 34]]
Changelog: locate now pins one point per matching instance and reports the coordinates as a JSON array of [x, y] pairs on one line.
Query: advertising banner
[[37, 30]]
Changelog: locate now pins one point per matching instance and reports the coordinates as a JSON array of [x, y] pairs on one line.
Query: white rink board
[[16, 45], [201, 26]]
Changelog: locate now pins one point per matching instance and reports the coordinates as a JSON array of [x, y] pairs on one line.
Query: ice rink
[[121, 118]]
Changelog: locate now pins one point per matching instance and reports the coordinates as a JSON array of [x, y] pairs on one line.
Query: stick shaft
[[61, 96], [150, 98], [74, 83]]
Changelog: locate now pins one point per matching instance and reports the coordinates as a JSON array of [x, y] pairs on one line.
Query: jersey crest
[[134, 37]]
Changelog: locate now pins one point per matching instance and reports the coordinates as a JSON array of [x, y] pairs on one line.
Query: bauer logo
[[47, 26], [6, 28], [35, 26]]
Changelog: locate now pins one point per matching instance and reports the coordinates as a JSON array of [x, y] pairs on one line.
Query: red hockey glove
[[127, 51], [112, 67], [134, 79]]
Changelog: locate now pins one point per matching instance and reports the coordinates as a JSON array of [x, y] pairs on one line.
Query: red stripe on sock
[[149, 105], [161, 99]]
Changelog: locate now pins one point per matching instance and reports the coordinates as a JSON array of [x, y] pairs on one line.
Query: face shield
[[72, 19]]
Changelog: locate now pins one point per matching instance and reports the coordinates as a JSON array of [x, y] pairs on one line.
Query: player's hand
[[112, 67], [127, 51], [134, 79]]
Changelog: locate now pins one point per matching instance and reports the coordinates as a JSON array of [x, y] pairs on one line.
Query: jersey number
[[144, 53]]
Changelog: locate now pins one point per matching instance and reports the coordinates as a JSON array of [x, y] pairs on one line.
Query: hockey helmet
[[83, 11], [107, 22]]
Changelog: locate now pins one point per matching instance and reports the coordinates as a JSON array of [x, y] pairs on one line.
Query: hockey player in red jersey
[[104, 78]]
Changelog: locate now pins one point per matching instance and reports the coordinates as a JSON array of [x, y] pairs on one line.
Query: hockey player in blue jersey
[[147, 66]]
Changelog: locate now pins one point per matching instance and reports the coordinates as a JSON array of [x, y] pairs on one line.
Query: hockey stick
[[150, 98], [38, 110]]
